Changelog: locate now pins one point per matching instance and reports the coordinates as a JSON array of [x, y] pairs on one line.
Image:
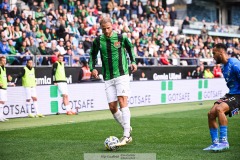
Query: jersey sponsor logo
[[235, 112], [117, 44]]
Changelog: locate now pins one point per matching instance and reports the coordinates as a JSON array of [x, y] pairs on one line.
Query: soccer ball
[[110, 142]]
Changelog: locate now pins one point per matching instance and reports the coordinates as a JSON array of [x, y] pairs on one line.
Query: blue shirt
[[231, 73], [4, 48]]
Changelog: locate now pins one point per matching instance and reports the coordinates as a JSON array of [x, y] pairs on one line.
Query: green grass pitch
[[173, 132]]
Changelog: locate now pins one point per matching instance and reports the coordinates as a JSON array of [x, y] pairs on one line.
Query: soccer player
[[113, 47], [227, 105], [3, 86], [29, 83], [60, 80]]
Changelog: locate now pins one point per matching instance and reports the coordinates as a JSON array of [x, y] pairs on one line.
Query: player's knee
[[219, 109], [211, 115], [34, 98], [122, 101], [113, 109]]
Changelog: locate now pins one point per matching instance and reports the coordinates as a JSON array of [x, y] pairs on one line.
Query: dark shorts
[[233, 102]]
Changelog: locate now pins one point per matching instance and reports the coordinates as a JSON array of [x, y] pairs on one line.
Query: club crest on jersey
[[117, 44]]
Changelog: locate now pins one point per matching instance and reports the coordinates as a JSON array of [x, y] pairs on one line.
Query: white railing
[[73, 61]]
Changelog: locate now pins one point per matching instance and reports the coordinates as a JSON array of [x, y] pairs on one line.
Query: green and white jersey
[[113, 55]]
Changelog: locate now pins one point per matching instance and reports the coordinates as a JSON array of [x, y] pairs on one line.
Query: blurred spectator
[[33, 48], [189, 75], [175, 57], [48, 34], [172, 16], [4, 48], [81, 30], [93, 30], [99, 6], [14, 13], [25, 56], [209, 43], [5, 4], [140, 59], [45, 60], [8, 32], [110, 7], [122, 9], [164, 59], [60, 46], [87, 44], [141, 9], [53, 34], [73, 30], [16, 33], [71, 5], [208, 73], [12, 59], [84, 73], [128, 9], [64, 3], [204, 33], [5, 10], [197, 73], [186, 23], [54, 57], [39, 15], [152, 9], [91, 20], [43, 26], [80, 49], [217, 71]]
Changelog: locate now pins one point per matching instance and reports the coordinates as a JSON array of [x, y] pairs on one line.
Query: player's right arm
[[93, 56], [20, 75], [129, 47], [54, 68]]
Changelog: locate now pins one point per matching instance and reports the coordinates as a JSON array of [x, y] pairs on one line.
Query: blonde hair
[[105, 20]]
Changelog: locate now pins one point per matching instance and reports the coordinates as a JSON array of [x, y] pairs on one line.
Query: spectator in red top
[[93, 30], [54, 57], [217, 71], [164, 59]]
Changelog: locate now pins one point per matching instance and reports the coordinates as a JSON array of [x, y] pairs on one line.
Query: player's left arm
[[93, 56], [129, 47], [236, 69]]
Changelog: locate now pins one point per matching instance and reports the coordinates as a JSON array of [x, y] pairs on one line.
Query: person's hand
[[95, 73], [133, 67], [9, 78]]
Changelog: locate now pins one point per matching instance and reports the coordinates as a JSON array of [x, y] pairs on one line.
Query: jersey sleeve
[[236, 69], [130, 50], [93, 53]]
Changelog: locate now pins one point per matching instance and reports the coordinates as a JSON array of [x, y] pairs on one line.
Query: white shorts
[[30, 92], [62, 87], [3, 95], [115, 87]]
